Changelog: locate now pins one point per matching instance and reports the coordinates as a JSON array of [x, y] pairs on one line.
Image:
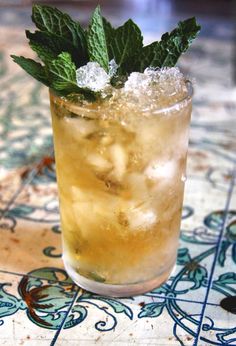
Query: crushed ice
[[92, 76], [113, 67], [155, 81], [163, 85]]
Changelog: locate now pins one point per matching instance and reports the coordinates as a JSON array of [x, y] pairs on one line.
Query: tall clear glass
[[121, 182]]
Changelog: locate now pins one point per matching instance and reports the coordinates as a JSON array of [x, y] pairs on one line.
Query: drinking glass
[[120, 177]]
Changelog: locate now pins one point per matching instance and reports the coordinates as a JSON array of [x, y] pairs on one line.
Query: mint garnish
[[64, 46], [167, 51]]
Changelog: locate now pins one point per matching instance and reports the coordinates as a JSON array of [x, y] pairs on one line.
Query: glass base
[[118, 290]]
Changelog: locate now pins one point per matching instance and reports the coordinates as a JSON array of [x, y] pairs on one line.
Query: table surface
[[39, 305]]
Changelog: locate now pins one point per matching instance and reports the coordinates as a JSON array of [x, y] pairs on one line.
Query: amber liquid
[[121, 182]]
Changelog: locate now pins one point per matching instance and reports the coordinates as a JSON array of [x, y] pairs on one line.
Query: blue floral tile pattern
[[39, 304]]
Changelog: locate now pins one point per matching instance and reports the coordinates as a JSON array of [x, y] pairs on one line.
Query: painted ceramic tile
[[218, 325], [39, 305], [140, 321], [31, 309]]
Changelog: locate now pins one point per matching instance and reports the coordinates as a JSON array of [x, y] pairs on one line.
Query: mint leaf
[[97, 44], [148, 57], [126, 45], [178, 41], [32, 67], [109, 32], [62, 71], [48, 46], [56, 22], [167, 51]]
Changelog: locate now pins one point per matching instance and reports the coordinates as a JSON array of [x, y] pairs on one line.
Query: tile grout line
[[17, 192], [53, 342], [226, 210], [31, 176]]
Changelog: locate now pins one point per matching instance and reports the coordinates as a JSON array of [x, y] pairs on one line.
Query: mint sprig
[[63, 46]]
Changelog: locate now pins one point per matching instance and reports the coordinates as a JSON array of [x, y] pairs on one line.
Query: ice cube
[[161, 169], [137, 83], [92, 76], [99, 163], [141, 217], [79, 127], [119, 159]]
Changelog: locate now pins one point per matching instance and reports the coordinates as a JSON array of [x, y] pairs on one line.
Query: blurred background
[[210, 63], [151, 14]]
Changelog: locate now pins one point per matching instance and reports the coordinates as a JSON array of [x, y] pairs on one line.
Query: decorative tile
[[218, 327], [140, 321], [33, 307], [39, 305]]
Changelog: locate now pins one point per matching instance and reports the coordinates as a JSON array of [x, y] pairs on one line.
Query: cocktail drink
[[121, 171], [120, 115]]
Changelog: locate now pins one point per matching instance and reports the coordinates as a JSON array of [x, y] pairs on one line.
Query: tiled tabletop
[[39, 305]]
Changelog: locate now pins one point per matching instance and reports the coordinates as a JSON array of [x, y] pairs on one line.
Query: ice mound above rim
[[155, 88], [152, 90], [167, 81]]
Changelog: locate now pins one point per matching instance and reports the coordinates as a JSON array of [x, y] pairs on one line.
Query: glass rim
[[176, 105]]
